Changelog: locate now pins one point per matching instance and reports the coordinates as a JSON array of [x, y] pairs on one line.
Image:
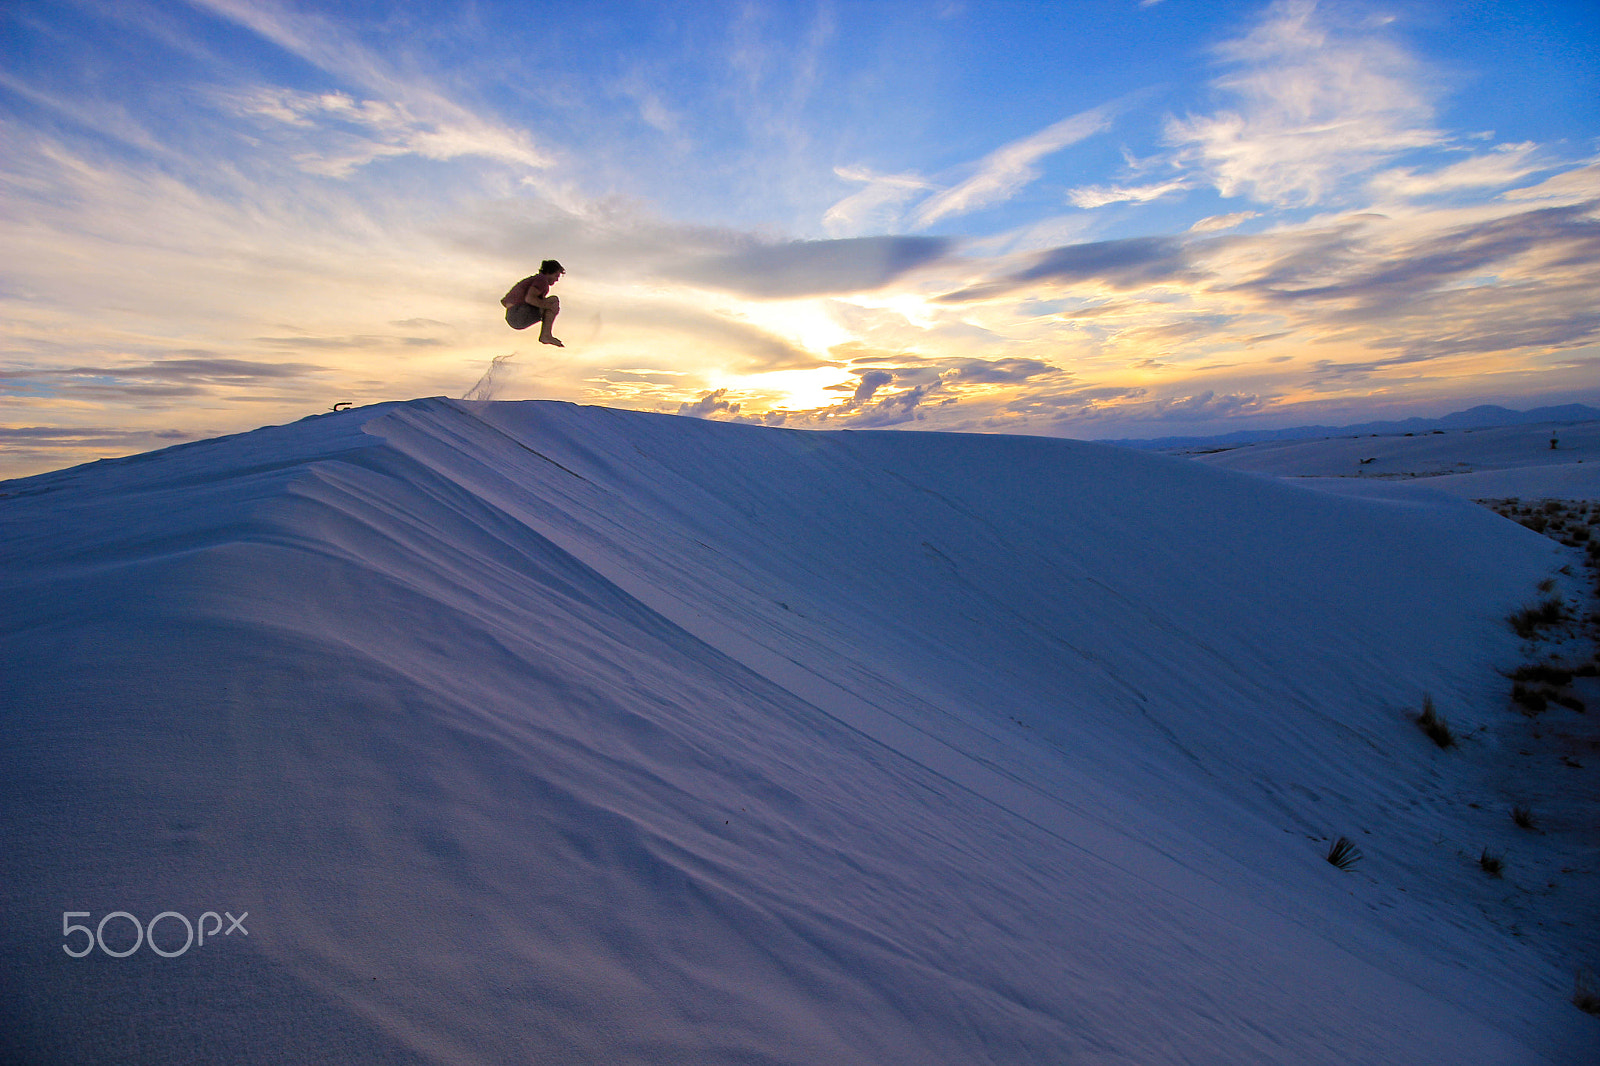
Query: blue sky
[[1084, 219]]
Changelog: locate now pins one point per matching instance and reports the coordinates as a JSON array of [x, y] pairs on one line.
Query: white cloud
[[1316, 107], [406, 116], [107, 117], [874, 206], [1218, 223], [1002, 172], [1572, 187], [352, 133], [1508, 164], [1092, 196]]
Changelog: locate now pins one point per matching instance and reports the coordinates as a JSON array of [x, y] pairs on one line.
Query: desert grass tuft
[[1432, 724], [1492, 864], [1527, 622], [1344, 854], [1523, 816], [1544, 673]]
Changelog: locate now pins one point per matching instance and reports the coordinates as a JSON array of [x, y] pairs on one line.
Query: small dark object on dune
[[1531, 701], [1584, 995]]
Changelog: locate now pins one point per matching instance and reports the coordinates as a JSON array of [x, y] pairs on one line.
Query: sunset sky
[[1106, 219]]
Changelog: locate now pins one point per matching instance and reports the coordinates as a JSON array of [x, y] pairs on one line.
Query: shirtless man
[[529, 301]]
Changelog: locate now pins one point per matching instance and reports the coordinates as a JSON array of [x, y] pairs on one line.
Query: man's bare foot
[[547, 339]]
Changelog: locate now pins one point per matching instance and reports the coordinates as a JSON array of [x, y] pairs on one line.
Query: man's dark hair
[[550, 266]]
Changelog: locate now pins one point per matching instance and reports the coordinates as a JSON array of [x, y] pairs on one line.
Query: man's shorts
[[521, 316]]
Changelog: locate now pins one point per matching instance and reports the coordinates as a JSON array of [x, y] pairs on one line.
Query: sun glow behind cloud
[[791, 390], [313, 209], [806, 323]]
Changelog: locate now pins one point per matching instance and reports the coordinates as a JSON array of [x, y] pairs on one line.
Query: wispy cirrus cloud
[[877, 203], [1218, 223], [405, 114], [1005, 170], [1092, 196], [356, 132], [1574, 186], [1316, 106], [108, 117], [1506, 165]]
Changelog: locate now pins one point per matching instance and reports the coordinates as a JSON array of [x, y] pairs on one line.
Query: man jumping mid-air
[[529, 301]]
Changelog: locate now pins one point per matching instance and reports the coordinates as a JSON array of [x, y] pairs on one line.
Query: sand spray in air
[[493, 379]]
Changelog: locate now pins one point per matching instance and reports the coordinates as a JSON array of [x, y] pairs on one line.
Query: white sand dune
[[527, 732], [1490, 463]]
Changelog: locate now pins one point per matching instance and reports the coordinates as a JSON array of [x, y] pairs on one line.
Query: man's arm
[[538, 289]]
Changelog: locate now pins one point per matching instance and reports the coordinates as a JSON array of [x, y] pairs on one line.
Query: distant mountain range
[[1484, 416]]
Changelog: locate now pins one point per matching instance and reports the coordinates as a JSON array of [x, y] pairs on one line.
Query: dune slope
[[538, 733]]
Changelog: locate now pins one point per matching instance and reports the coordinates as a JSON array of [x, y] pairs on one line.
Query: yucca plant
[[1523, 816], [1344, 854], [1432, 724], [1492, 864]]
